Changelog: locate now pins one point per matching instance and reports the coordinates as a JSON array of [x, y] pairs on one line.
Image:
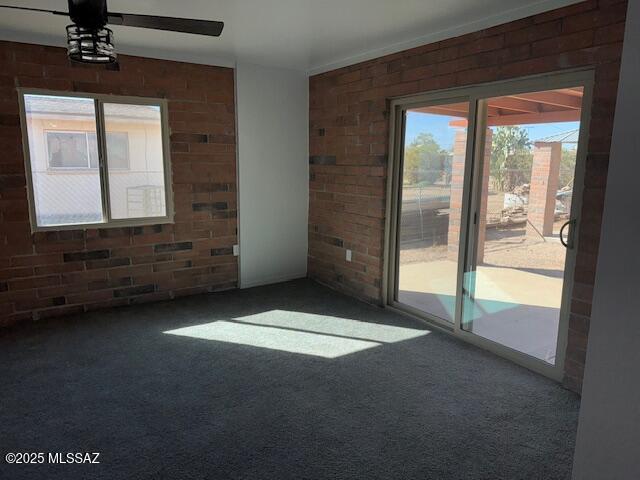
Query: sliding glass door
[[486, 183], [524, 187], [430, 207]]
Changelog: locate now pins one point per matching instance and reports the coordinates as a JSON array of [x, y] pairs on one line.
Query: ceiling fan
[[90, 41]]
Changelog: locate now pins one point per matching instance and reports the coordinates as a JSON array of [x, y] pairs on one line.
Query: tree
[[511, 157], [423, 160], [567, 167]]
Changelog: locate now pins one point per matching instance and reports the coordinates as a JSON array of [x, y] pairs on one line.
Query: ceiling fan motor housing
[[88, 13]]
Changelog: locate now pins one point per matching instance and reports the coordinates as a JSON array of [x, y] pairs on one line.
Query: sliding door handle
[[569, 242]]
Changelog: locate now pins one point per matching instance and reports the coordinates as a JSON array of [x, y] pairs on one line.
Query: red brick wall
[[56, 273], [349, 131]]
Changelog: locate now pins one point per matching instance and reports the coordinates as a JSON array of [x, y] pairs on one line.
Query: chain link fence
[[426, 203]]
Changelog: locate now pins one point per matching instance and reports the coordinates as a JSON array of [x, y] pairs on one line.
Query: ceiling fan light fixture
[[90, 45], [90, 41]]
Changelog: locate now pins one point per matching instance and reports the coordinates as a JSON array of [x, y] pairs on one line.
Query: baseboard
[[274, 279]]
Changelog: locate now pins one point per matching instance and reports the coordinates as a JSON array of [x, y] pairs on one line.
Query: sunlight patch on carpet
[[300, 332]]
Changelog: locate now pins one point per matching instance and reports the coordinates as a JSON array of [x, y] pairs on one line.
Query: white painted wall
[[608, 443], [273, 173]]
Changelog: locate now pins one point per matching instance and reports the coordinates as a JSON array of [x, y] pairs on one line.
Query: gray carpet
[[396, 404]]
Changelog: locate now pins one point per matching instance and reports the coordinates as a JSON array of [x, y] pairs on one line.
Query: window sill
[[125, 223]]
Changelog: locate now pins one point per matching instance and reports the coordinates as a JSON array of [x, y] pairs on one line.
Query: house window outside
[[118, 150], [68, 150], [90, 160], [79, 150]]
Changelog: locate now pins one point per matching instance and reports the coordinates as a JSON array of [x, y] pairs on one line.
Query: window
[[95, 160]]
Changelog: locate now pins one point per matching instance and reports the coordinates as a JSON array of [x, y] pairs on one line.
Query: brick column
[[482, 214], [457, 184], [544, 187]]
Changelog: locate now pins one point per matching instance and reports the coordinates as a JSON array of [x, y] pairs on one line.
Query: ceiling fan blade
[[186, 25], [41, 10]]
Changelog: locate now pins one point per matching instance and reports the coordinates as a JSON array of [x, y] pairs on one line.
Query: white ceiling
[[309, 35]]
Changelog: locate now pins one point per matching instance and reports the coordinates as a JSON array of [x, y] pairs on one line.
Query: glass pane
[[430, 210], [135, 160], [513, 292], [61, 132]]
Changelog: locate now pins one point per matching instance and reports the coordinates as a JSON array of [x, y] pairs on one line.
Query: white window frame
[[103, 168]]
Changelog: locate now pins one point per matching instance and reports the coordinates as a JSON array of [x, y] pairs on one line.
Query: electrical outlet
[[348, 255], [236, 250]]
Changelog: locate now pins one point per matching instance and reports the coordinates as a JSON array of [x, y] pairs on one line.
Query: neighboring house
[[64, 160]]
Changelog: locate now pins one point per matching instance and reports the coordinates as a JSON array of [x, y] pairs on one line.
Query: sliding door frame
[[394, 193], [476, 96]]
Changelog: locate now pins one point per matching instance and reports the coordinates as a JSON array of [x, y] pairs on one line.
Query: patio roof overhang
[[563, 105]]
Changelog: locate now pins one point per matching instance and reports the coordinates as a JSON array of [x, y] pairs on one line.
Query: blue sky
[[438, 125]]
